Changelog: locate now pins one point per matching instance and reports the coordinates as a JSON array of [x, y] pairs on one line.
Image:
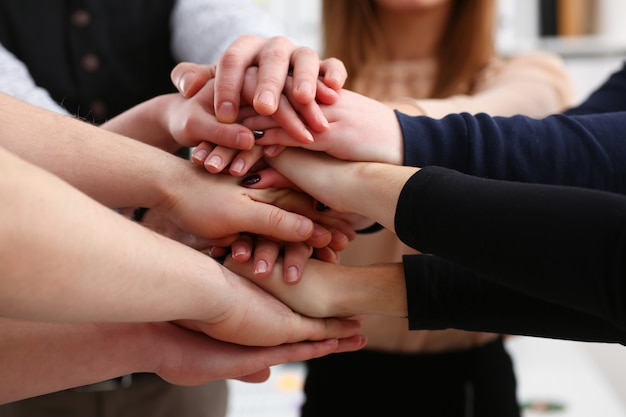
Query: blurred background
[[557, 378]]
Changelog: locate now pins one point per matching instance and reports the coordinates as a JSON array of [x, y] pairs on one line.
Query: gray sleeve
[[203, 29], [16, 81]]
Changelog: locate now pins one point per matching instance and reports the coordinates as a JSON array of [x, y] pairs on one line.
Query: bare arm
[[38, 358]]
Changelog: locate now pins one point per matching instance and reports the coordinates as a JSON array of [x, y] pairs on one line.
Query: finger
[[266, 178], [229, 75], [189, 78], [297, 352], [321, 237], [219, 158], [333, 73], [295, 256], [288, 118], [339, 240], [241, 249], [274, 61], [201, 152], [325, 94], [198, 124], [309, 112], [218, 252], [278, 223], [325, 254], [259, 376], [265, 254], [244, 160], [306, 65]]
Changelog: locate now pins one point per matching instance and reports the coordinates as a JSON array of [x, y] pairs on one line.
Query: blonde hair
[[350, 32]]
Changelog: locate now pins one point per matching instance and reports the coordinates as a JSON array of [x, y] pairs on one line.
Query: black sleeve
[[562, 245], [442, 295], [584, 151]]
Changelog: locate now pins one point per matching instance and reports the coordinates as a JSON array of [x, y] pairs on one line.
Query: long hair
[[350, 32]]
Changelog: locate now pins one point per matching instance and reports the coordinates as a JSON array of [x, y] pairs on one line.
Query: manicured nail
[[199, 155], [238, 251], [237, 166], [319, 206], [260, 267], [308, 135], [251, 179], [185, 82], [214, 162], [292, 274], [258, 134]]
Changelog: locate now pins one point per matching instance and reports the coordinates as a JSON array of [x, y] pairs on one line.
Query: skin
[[157, 180], [36, 356], [369, 189]]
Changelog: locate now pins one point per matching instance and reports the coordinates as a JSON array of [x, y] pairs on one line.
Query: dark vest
[[96, 57]]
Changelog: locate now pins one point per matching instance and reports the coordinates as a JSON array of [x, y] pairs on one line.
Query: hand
[[337, 290], [360, 129], [367, 188], [196, 198], [217, 158], [265, 252], [274, 57], [190, 358], [248, 315]]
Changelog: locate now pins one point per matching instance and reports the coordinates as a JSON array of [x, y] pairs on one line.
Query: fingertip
[[226, 112], [265, 103]]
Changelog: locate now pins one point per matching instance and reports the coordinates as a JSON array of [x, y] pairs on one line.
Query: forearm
[[118, 270], [366, 188], [38, 358], [584, 151], [442, 295], [526, 237], [53, 141]]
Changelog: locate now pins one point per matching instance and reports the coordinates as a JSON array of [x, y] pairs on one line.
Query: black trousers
[[476, 382]]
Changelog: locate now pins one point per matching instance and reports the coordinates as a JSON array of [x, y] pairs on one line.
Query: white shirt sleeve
[[203, 29]]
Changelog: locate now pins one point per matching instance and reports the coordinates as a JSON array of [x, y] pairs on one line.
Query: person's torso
[[95, 57]]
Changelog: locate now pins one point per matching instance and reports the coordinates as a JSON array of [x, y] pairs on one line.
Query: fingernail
[[251, 179], [304, 227], [267, 98], [227, 112], [214, 161], [323, 121], [292, 274], [271, 151], [260, 267], [185, 81], [237, 166], [244, 141], [238, 251], [308, 135], [319, 206], [258, 134], [306, 87], [199, 155]]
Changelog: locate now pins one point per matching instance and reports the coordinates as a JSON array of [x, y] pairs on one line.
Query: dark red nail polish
[[321, 206], [251, 179]]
